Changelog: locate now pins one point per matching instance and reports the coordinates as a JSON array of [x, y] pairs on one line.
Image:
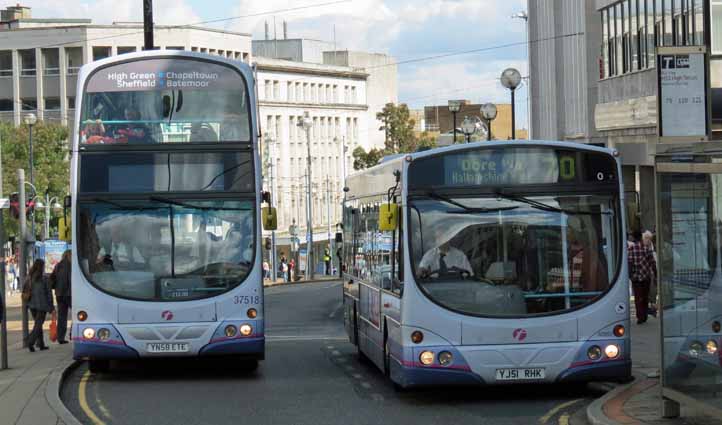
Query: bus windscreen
[[165, 100]]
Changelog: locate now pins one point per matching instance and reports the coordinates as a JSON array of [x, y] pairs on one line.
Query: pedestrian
[[648, 241], [291, 269], [60, 282], [327, 261], [266, 270], [40, 301], [13, 274], [642, 270], [284, 270], [340, 267]]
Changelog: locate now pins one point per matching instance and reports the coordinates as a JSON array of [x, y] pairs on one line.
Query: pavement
[[29, 389], [640, 402]]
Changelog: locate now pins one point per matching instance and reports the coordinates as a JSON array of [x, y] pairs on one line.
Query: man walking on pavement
[[60, 281], [642, 269]]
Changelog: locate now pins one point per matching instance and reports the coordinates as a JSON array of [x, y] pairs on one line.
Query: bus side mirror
[[270, 218], [388, 217]]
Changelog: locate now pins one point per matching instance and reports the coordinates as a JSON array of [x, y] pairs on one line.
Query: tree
[[51, 158], [398, 127]]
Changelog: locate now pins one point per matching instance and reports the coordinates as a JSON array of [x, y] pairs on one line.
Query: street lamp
[[270, 162], [488, 112], [306, 123], [511, 78], [30, 120], [523, 15], [454, 108], [49, 203], [470, 126]]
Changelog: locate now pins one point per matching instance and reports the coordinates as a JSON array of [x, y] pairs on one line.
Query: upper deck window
[[168, 100]]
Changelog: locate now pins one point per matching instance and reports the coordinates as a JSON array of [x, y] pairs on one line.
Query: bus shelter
[[689, 245]]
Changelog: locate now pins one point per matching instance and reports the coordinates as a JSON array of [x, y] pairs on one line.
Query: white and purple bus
[[507, 264], [166, 205]]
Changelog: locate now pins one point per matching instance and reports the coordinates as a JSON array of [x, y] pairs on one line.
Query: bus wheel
[[99, 366]]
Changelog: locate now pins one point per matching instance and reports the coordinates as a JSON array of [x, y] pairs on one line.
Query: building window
[[651, 34], [299, 93], [6, 63], [6, 105], [174, 47], [29, 104], [27, 62], [74, 59], [276, 90], [128, 49], [100, 52], [290, 92], [71, 102], [52, 103], [292, 129], [51, 62], [354, 100], [267, 90], [335, 94]]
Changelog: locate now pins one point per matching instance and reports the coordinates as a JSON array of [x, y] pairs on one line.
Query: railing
[[51, 72], [28, 72], [73, 70], [6, 72]]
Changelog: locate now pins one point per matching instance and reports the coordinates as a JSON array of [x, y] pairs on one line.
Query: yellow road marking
[[83, 400], [564, 419], [550, 414]]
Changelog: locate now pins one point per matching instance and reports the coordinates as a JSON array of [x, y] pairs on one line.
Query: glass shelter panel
[[691, 283]]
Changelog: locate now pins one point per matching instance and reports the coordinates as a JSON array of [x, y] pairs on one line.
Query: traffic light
[[267, 244], [15, 206]]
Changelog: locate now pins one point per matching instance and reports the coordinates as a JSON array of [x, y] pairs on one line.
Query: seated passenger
[[134, 132], [443, 259], [93, 132]]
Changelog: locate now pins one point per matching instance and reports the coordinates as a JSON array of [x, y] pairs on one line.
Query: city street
[[311, 375]]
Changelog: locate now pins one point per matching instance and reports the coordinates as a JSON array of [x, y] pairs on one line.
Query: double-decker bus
[[166, 205], [507, 264]]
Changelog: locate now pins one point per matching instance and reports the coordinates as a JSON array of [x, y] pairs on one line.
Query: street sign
[[4, 203], [682, 93]]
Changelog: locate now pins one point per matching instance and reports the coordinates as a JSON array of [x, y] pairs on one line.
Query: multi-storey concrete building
[[595, 77], [40, 58]]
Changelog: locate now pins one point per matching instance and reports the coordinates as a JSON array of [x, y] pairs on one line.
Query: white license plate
[[168, 347], [532, 374]]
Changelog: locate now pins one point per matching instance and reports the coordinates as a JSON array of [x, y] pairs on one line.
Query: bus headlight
[[230, 331], [695, 348], [594, 353], [103, 334], [426, 358], [245, 329], [88, 333], [612, 351], [712, 347], [445, 358], [252, 313]]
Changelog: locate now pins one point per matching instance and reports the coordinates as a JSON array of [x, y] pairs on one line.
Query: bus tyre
[[99, 366]]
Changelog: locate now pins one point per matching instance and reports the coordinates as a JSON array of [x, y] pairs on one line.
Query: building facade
[[595, 77], [40, 58], [437, 118], [564, 69], [335, 99]]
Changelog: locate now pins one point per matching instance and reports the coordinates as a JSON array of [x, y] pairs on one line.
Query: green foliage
[[398, 126], [51, 164]]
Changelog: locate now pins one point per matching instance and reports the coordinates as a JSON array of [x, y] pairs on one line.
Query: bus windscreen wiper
[[466, 208], [194, 207], [545, 207]]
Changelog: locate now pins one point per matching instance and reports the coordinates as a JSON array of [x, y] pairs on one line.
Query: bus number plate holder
[[168, 347], [528, 374]]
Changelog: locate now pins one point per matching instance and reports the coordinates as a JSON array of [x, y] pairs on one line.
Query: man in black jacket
[[60, 281]]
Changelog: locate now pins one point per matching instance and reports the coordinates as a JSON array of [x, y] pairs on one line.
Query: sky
[[404, 29]]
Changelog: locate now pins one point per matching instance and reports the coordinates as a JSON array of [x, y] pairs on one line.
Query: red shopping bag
[[54, 328]]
